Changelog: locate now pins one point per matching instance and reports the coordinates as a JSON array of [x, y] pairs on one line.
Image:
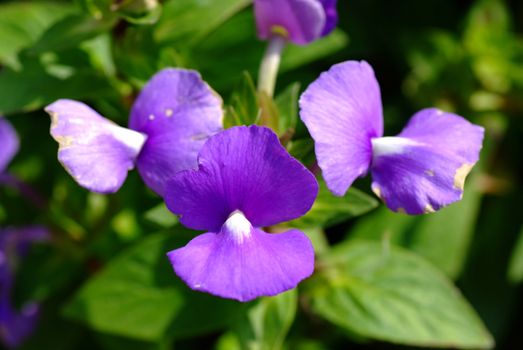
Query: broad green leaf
[[329, 210], [265, 325], [189, 21], [387, 293], [443, 237], [22, 23], [138, 296], [515, 272], [70, 32]]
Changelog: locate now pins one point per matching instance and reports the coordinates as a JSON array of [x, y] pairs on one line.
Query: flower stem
[[270, 64]]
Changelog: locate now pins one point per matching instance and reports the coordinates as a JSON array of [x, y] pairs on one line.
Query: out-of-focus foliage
[[383, 280]]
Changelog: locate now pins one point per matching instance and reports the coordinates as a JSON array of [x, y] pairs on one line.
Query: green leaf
[[287, 104], [265, 325], [243, 108], [329, 210], [389, 294], [443, 237], [71, 31], [515, 272], [138, 296], [190, 21], [161, 216], [22, 23], [41, 81]]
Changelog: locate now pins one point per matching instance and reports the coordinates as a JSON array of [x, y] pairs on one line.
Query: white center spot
[[237, 226], [132, 139], [390, 145]]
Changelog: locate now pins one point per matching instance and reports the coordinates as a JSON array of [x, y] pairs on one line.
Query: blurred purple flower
[[300, 21], [245, 181], [9, 144], [419, 171], [16, 326], [170, 120]]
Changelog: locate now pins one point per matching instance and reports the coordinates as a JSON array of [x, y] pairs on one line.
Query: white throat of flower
[[237, 226], [382, 146], [132, 139]]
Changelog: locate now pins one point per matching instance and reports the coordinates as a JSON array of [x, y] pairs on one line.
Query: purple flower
[[419, 171], [9, 144], [16, 326], [245, 181], [171, 119], [300, 21]]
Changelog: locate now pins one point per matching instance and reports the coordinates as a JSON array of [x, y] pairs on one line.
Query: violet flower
[[170, 120], [16, 326], [419, 171], [9, 144], [298, 21], [246, 180]]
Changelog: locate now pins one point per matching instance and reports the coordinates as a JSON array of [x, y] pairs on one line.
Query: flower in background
[[419, 171], [300, 21], [16, 326], [245, 181], [170, 120], [9, 144]]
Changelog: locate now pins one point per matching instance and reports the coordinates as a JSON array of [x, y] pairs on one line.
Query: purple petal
[[177, 111], [95, 151], [302, 21], [342, 110], [332, 15], [9, 143], [246, 169], [16, 327], [243, 263], [423, 169]]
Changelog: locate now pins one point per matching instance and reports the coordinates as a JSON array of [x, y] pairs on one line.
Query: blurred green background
[[383, 280]]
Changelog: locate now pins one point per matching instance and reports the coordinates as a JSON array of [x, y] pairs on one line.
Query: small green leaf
[[244, 107], [265, 324], [287, 104], [329, 210], [161, 216], [387, 293], [515, 272]]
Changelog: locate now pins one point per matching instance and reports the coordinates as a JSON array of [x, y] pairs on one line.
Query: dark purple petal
[[332, 16], [246, 169], [95, 151], [177, 111], [243, 263], [342, 111], [16, 327], [302, 21], [423, 169], [9, 143]]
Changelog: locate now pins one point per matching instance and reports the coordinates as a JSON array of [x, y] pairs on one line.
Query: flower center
[[390, 145], [237, 226]]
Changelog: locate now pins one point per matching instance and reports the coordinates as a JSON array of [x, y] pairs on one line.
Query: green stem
[[270, 64]]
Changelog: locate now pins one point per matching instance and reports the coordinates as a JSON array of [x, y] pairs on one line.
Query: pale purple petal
[[244, 265], [423, 169], [342, 111], [95, 151], [302, 21], [9, 143], [177, 111], [332, 15], [246, 169]]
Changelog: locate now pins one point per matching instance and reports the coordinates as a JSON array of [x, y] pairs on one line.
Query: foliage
[[382, 280]]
